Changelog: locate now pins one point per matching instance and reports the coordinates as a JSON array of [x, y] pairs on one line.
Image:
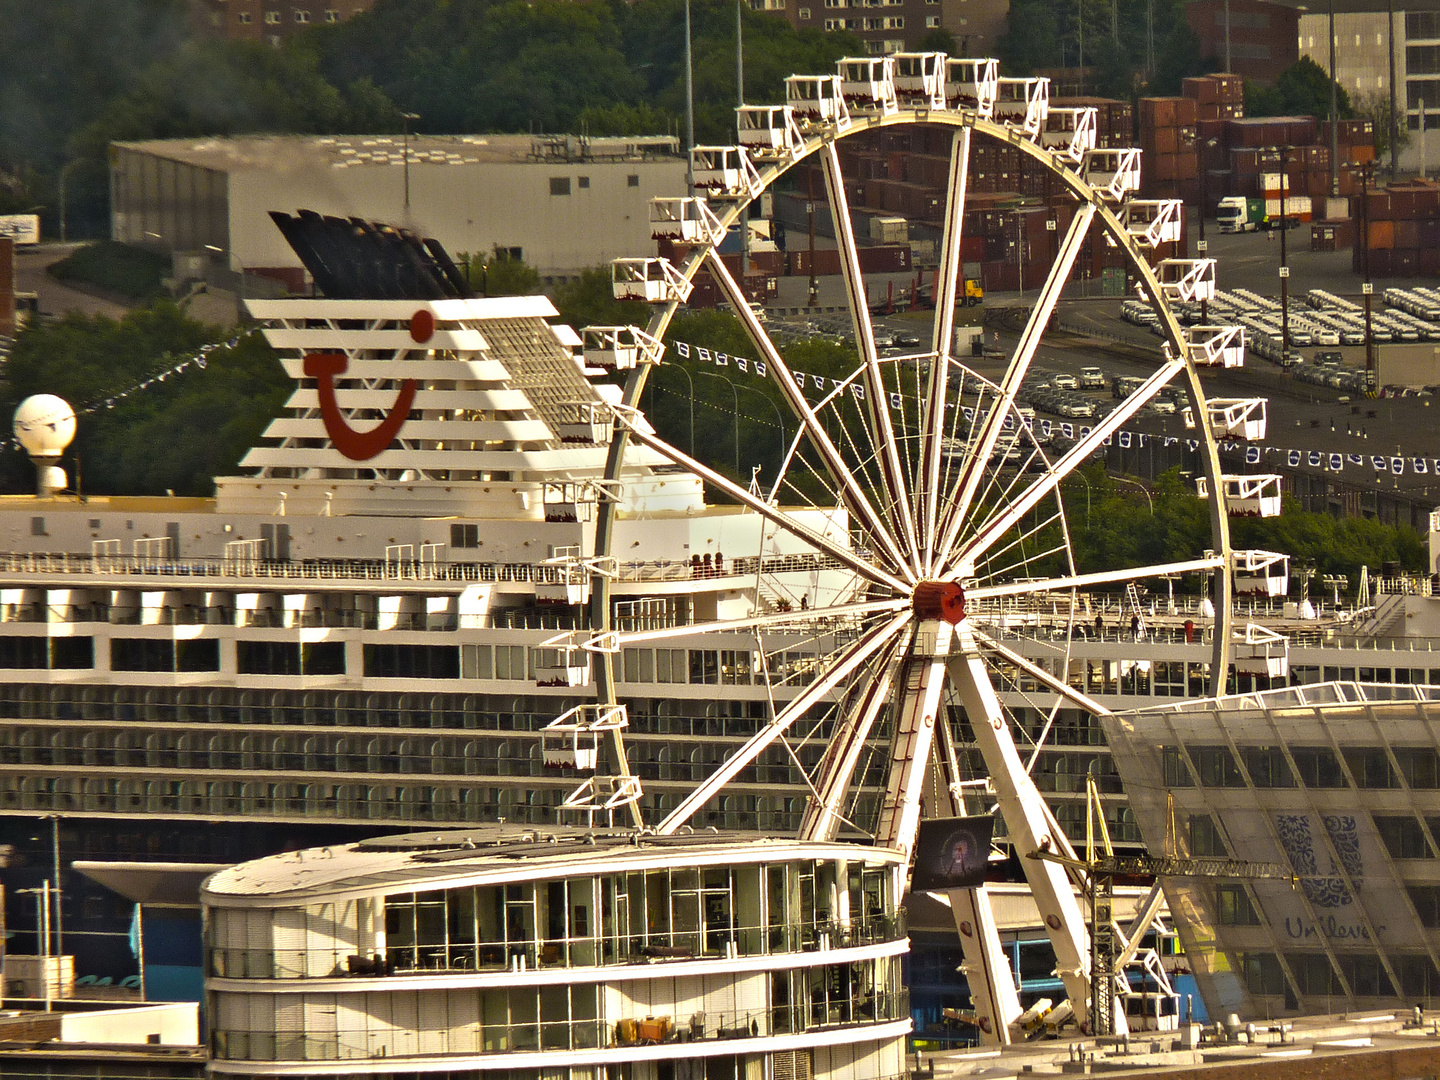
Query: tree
[[589, 300], [176, 434], [1375, 107], [1302, 89], [498, 274]]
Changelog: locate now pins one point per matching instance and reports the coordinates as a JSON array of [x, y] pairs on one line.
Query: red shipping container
[[1202, 90], [1380, 235], [1407, 234]]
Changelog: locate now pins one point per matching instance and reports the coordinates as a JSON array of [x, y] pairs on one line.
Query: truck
[[1239, 213], [974, 294]]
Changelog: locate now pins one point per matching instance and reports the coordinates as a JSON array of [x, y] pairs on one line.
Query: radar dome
[[44, 424]]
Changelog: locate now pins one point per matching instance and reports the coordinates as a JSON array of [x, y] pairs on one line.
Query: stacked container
[[1402, 231], [1217, 97], [1170, 167]]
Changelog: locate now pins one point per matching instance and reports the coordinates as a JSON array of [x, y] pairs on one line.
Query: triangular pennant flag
[[1417, 465], [1435, 465], [1337, 462], [1313, 459], [1378, 462], [819, 381], [1355, 459], [895, 401], [857, 391], [721, 360], [1144, 439], [1191, 444], [1124, 440], [1085, 432], [742, 364], [1171, 440], [970, 415], [703, 354], [1294, 457], [761, 369], [1045, 428], [799, 379], [1109, 439], [1007, 425], [1252, 455], [834, 384]]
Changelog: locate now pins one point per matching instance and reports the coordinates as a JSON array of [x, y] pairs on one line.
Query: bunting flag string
[[1254, 454], [197, 361]]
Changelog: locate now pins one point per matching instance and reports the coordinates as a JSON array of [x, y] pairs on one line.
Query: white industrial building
[[562, 203]]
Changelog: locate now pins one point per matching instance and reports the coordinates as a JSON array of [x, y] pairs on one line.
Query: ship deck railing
[[552, 1035], [550, 953], [360, 570]]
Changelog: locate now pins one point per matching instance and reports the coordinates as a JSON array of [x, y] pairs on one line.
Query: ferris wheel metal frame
[[919, 558]]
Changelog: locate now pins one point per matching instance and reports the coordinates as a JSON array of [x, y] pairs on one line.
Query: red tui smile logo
[[323, 367]]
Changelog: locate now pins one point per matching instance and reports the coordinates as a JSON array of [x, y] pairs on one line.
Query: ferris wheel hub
[[944, 600]]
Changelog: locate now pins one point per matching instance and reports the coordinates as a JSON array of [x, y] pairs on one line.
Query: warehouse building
[[561, 203]]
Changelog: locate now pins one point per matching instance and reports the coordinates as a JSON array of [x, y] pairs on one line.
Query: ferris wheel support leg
[[1028, 825], [897, 483], [846, 484], [949, 287], [915, 720], [978, 464], [987, 968], [822, 815]]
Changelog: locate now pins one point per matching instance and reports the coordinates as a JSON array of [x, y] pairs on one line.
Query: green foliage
[[1113, 525], [1375, 107], [117, 268], [176, 435], [589, 300], [498, 274], [938, 39], [1302, 89]]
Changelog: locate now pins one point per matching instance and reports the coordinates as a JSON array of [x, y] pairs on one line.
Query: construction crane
[[1097, 873]]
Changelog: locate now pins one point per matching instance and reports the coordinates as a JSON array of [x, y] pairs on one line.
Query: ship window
[[1403, 836], [1318, 766], [1417, 975], [1426, 899], [1216, 766], [142, 654], [72, 652], [1419, 765], [670, 666], [412, 661], [559, 185], [1233, 906], [476, 662], [37, 526], [323, 658], [267, 657], [464, 536], [199, 654], [632, 180], [639, 665], [1370, 766], [510, 661], [704, 667], [1267, 766], [1263, 974], [1205, 838]]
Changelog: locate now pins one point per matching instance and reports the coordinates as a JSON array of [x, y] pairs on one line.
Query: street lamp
[[405, 118], [64, 174], [780, 464], [736, 395], [1202, 247], [1284, 265], [691, 383], [1367, 288]]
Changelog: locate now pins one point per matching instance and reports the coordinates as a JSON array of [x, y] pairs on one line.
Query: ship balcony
[[816, 100], [394, 1045], [972, 84], [868, 84]]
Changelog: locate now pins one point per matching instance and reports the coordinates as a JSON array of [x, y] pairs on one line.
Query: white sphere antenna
[[45, 425]]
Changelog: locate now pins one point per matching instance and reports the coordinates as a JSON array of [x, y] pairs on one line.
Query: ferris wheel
[[919, 510]]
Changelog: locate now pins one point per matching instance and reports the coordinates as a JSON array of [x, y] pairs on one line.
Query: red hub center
[[939, 600]]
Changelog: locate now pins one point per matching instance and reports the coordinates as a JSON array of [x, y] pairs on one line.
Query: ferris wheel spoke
[[949, 290], [773, 621], [833, 548], [876, 401], [1073, 458], [838, 767], [856, 501], [1085, 581], [1039, 674], [978, 461], [843, 665]]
